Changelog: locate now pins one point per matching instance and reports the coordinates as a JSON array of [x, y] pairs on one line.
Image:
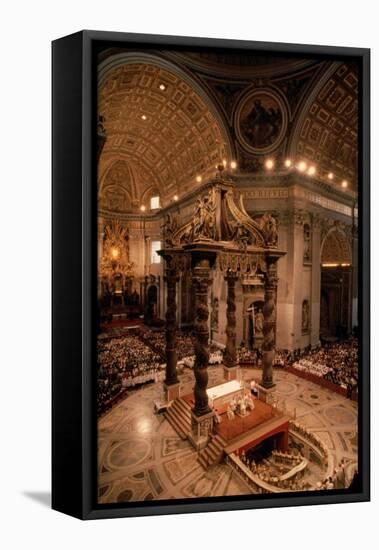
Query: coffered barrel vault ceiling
[[327, 133], [159, 130], [170, 117]]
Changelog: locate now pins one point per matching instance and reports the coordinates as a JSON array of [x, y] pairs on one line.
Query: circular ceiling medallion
[[261, 120]]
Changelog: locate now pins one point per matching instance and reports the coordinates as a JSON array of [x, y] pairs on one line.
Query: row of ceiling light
[[303, 167], [300, 165]]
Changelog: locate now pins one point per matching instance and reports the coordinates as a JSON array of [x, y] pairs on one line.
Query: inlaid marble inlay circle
[[128, 453], [286, 387], [339, 415]]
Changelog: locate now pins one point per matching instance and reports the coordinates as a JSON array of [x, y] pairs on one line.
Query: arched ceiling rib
[[241, 65], [336, 248]]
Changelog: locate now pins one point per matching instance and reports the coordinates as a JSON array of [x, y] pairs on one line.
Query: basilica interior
[[227, 354]]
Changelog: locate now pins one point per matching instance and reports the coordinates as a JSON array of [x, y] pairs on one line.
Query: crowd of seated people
[[312, 437], [124, 363], [336, 481], [156, 339], [254, 357], [336, 362], [263, 470], [282, 358], [246, 355]]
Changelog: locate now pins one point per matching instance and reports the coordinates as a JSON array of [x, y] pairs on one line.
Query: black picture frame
[[74, 279]]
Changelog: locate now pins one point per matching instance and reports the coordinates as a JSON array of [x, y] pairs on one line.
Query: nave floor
[[140, 456]]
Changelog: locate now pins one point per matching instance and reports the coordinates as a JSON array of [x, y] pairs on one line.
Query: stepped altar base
[[201, 429]]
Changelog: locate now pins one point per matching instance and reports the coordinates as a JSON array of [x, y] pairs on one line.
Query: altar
[[220, 396]]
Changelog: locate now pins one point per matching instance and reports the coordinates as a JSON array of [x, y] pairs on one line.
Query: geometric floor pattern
[[140, 456]]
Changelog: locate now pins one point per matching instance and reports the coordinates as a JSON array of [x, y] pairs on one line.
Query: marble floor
[[140, 456]]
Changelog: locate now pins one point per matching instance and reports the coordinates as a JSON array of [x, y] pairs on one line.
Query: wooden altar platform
[[246, 432], [230, 429]]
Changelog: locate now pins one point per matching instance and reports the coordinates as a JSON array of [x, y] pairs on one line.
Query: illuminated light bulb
[[162, 87], [199, 179], [311, 171], [143, 208], [344, 183], [302, 166], [330, 175], [269, 164], [115, 253], [144, 117], [176, 198], [288, 163], [224, 163], [233, 165]]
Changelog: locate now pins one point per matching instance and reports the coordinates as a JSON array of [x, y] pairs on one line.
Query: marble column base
[[202, 427], [231, 373], [265, 394], [171, 391]]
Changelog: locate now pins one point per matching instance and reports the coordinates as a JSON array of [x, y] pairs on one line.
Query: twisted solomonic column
[[171, 279], [201, 281], [269, 324], [230, 358]]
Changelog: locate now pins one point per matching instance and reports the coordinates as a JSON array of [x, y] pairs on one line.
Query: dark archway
[[255, 325], [151, 309], [336, 285]]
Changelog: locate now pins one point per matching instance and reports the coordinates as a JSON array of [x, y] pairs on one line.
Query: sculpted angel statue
[[204, 220], [169, 227], [270, 228]]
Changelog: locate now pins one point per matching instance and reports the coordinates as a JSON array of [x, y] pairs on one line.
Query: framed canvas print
[[210, 275]]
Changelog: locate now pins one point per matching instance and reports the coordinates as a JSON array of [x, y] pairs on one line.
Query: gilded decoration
[[220, 234], [115, 264]]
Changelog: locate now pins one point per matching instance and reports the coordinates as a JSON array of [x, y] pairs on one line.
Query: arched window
[[155, 202], [155, 258]]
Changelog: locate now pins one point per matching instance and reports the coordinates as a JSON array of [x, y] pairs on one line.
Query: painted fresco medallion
[[261, 120]]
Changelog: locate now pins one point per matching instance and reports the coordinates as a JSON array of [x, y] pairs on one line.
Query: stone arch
[[115, 199], [118, 177], [148, 193], [336, 281], [336, 248]]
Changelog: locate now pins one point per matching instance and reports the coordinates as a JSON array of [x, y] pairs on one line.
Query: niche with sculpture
[[305, 317], [116, 269], [307, 243]]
